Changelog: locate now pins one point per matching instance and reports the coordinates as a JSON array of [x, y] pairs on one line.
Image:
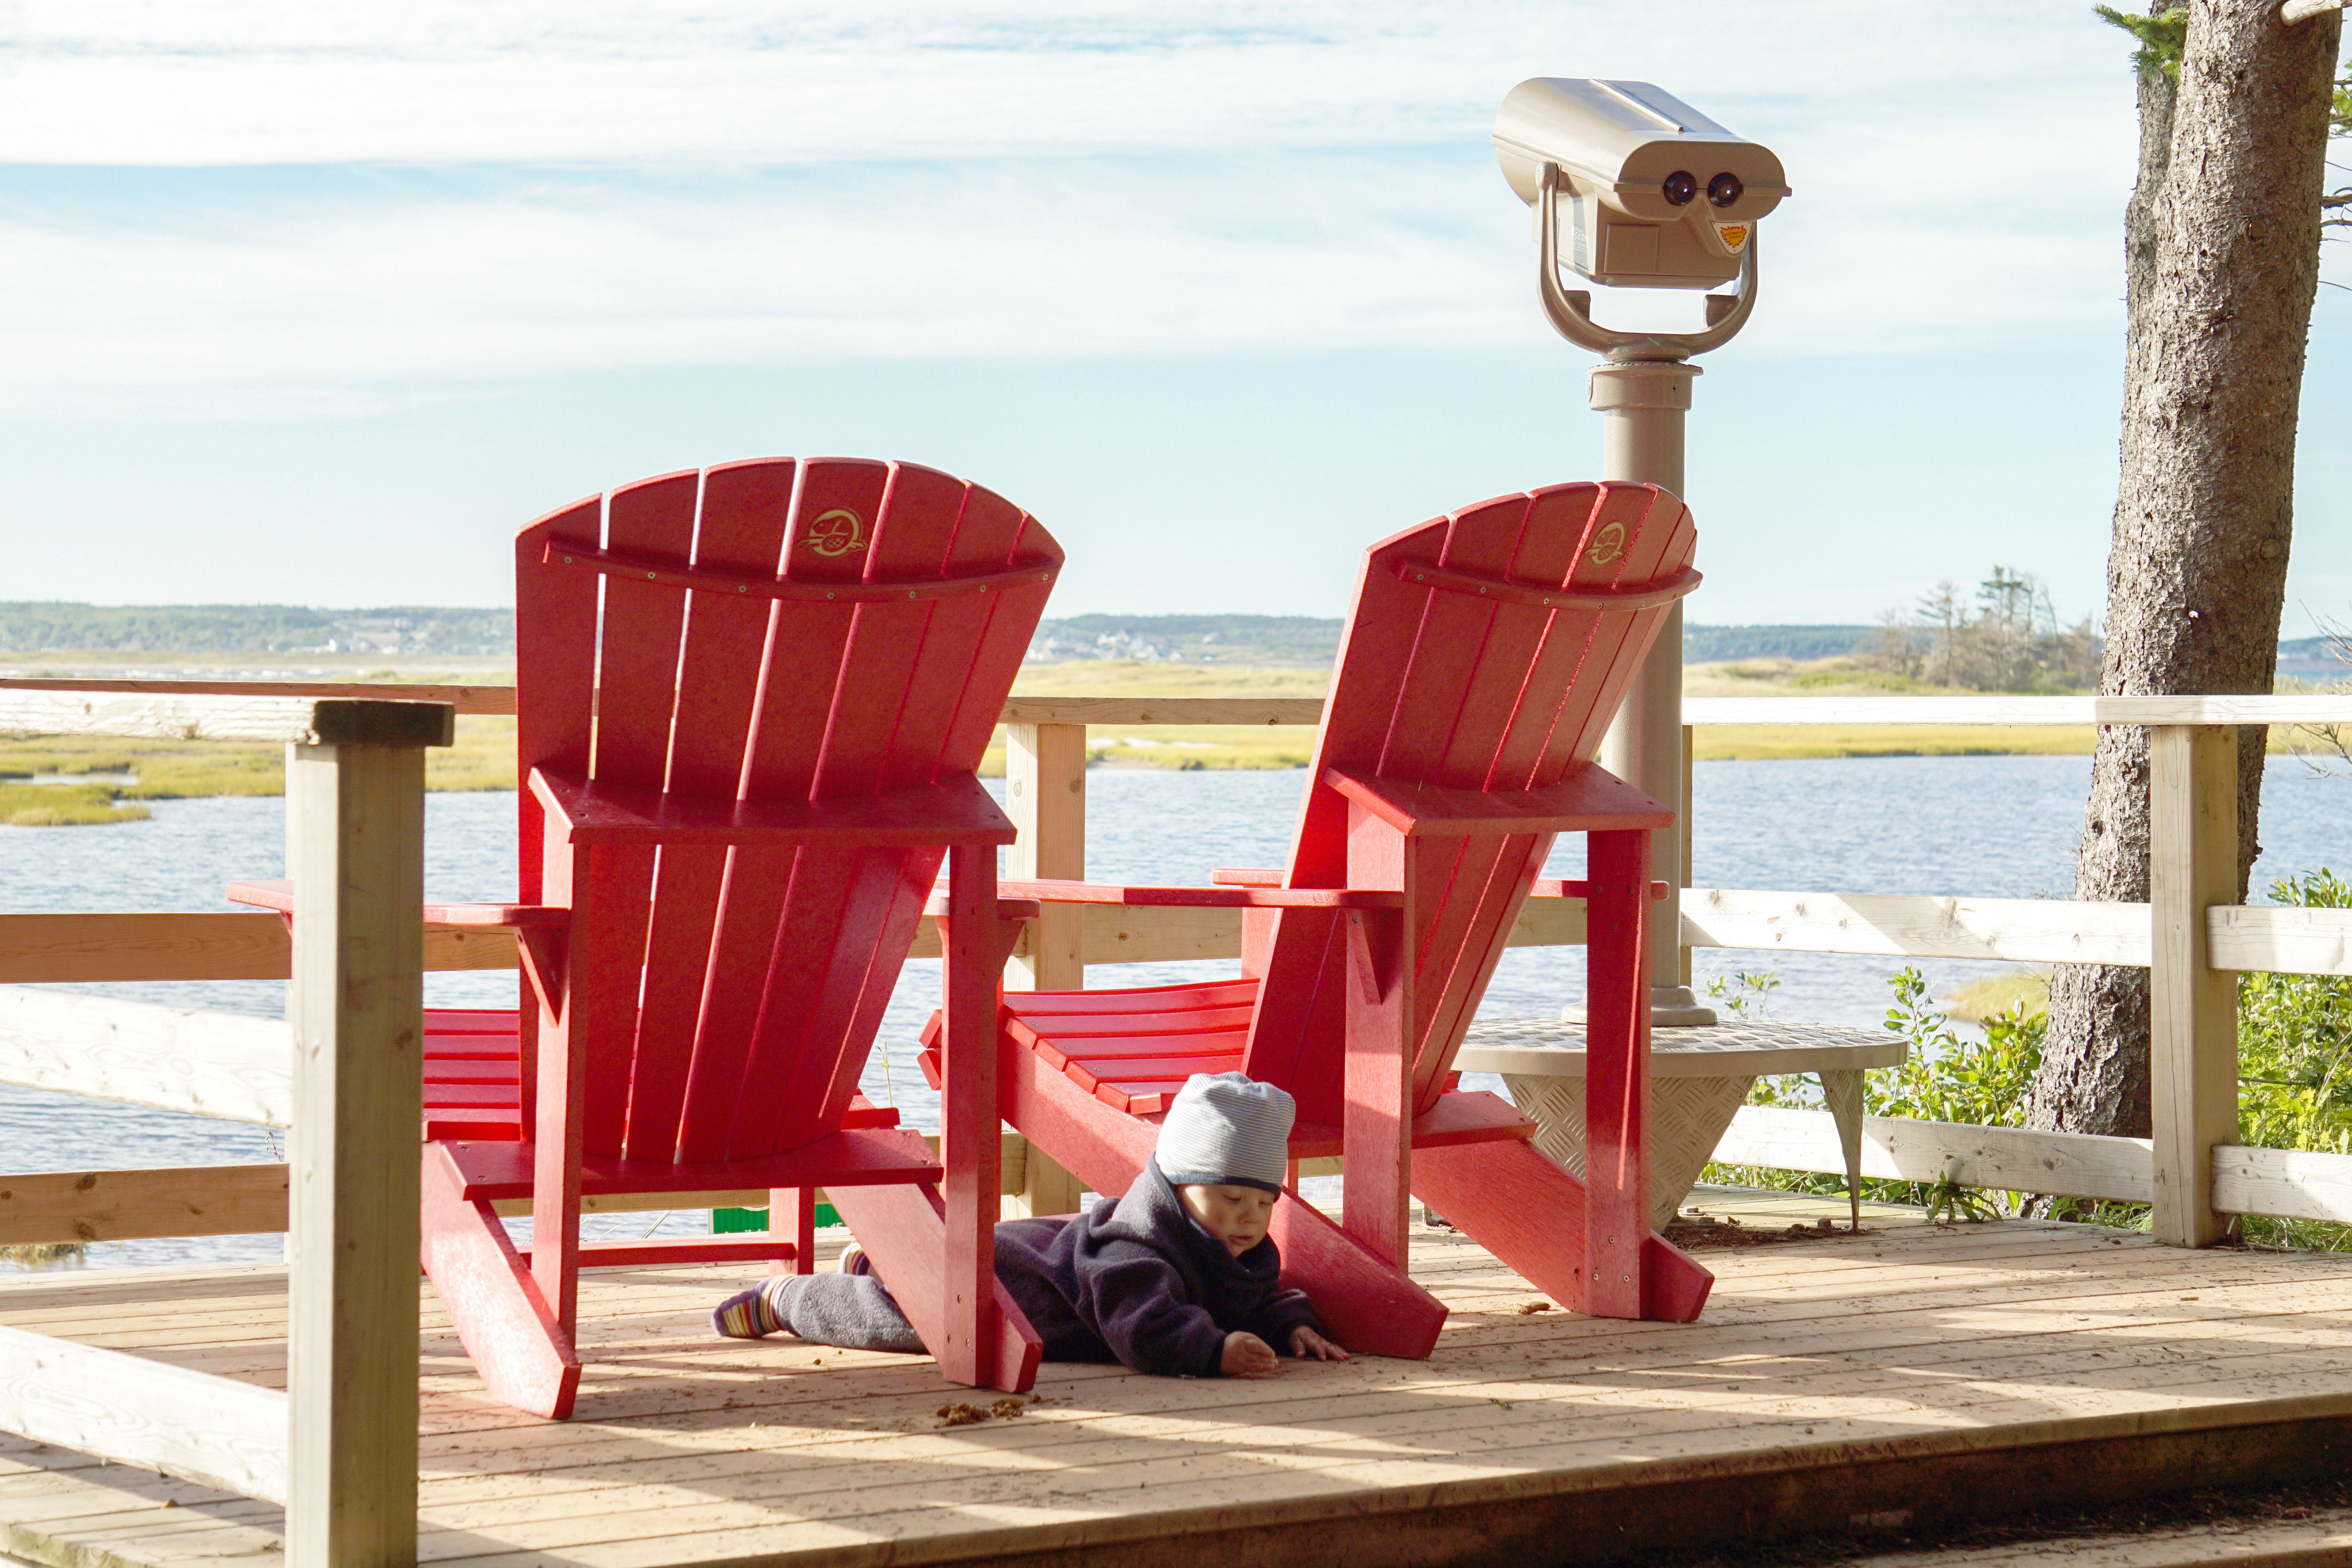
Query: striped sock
[[751, 1314]]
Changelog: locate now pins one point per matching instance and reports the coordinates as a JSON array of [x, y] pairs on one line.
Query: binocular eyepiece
[[1630, 160], [1681, 188]]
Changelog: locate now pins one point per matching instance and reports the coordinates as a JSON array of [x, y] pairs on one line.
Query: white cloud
[[601, 186], [993, 262], [164, 82]]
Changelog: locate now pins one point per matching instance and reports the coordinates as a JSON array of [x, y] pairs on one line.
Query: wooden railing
[[354, 1237], [2191, 935], [2205, 938], [339, 1447]]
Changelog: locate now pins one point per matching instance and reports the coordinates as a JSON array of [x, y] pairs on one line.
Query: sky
[[318, 303]]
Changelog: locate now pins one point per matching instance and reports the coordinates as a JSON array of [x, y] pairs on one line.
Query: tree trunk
[[2222, 245]]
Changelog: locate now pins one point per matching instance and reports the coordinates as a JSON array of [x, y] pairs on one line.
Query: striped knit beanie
[[1226, 1129]]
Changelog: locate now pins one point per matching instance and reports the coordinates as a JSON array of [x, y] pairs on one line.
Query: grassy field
[[1754, 742], [101, 782], [1177, 746], [1277, 746]]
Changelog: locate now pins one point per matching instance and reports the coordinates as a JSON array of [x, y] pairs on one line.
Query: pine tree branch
[[2162, 35]]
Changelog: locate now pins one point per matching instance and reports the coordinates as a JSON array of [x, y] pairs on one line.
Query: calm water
[[1992, 826]]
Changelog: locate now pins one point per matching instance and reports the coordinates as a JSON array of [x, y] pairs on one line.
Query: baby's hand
[[1309, 1345], [1246, 1355]]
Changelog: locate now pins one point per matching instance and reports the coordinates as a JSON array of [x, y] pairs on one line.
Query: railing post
[[1045, 795], [355, 850], [2193, 1007]]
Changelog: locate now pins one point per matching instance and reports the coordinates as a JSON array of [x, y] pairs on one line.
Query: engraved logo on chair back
[[730, 995], [1442, 686]]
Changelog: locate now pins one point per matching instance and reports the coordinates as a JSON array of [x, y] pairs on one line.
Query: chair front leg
[[558, 1098], [1376, 1112], [971, 1147], [791, 1217], [1617, 1073], [555, 1173]]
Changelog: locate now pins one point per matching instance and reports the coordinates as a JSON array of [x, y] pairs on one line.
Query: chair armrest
[[952, 811], [1057, 892], [513, 915], [280, 896], [936, 907], [1555, 888], [1544, 886], [1590, 799]]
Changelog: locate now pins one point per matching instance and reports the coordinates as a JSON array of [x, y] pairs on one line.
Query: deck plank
[[692, 1451]]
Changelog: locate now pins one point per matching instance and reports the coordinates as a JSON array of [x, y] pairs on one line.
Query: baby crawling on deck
[[1177, 1278]]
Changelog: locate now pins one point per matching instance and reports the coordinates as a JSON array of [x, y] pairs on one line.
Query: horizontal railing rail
[[2279, 1184], [175, 945], [356, 716], [490, 699]]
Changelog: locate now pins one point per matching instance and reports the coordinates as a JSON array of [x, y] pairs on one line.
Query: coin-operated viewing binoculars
[[1639, 190], [1636, 190]]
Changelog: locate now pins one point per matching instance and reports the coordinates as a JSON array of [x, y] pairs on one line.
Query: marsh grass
[[62, 805], [43, 1254], [1207, 746], [483, 758], [1177, 748], [1997, 993]]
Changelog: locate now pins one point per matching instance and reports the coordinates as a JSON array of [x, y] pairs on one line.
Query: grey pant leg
[[850, 1310]]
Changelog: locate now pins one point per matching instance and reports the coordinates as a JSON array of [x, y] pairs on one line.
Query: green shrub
[[1743, 992], [1948, 1079], [1944, 1079], [2294, 1065], [2295, 1043]]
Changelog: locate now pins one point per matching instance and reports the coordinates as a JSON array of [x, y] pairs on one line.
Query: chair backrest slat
[[847, 906], [765, 971], [555, 615], [808, 740], [957, 661], [744, 508], [635, 698], [1448, 688], [636, 687]]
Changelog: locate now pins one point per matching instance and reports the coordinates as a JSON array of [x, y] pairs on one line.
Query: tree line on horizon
[[1908, 644], [44, 628], [2009, 640]]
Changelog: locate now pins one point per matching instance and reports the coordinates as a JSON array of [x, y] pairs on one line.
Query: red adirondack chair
[[1485, 656], [740, 780]]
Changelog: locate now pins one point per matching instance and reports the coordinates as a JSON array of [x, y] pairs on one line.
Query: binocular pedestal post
[[1642, 404]]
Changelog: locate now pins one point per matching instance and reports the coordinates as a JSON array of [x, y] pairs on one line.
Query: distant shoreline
[[97, 783]]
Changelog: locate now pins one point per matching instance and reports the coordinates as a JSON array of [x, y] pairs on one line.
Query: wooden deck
[[1890, 1378]]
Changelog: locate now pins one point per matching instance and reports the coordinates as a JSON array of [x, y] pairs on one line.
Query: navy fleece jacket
[[1136, 1282]]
